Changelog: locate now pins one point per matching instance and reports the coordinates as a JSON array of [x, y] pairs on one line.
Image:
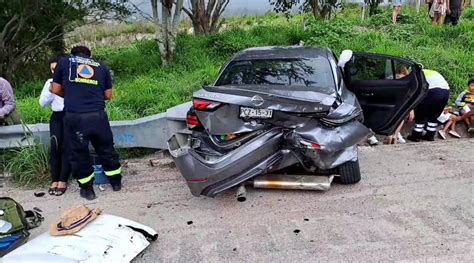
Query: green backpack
[[20, 220]]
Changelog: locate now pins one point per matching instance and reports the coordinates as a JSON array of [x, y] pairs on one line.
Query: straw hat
[[74, 220]]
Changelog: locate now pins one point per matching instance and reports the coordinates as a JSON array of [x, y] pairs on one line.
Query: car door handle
[[367, 94]]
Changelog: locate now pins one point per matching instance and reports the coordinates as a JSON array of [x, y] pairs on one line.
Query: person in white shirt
[[429, 109], [59, 165]]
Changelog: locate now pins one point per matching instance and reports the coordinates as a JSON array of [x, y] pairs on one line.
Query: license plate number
[[255, 113]]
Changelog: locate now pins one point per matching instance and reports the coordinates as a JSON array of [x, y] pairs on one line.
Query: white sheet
[[106, 239]]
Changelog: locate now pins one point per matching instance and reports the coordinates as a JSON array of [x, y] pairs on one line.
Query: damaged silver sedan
[[282, 117]]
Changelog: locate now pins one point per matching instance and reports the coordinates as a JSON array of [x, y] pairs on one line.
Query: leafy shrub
[[384, 18], [139, 58], [468, 14], [231, 41], [329, 33]]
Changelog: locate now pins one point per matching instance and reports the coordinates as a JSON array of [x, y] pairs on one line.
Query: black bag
[[16, 222]]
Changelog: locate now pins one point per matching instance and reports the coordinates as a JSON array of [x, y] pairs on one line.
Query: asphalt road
[[415, 202]]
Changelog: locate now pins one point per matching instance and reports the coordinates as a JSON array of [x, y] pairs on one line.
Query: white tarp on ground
[[106, 239]]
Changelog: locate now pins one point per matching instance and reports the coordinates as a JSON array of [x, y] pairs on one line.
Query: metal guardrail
[[148, 132]]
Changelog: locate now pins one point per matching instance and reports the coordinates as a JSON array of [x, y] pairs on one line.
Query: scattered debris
[[235, 249], [190, 222], [306, 219], [101, 188], [148, 206], [296, 231], [39, 194], [162, 162]]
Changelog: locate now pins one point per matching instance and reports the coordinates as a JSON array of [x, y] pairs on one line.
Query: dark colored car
[[292, 110]]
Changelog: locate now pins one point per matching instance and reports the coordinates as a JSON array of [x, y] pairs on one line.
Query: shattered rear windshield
[[311, 72]]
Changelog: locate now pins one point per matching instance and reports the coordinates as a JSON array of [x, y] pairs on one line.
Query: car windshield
[[310, 72]]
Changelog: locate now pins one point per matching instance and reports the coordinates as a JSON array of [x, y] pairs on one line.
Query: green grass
[[28, 165]]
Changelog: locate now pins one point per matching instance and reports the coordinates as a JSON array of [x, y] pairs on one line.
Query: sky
[[235, 7]]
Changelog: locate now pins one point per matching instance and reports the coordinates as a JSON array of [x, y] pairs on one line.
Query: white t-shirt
[[48, 98], [435, 80]]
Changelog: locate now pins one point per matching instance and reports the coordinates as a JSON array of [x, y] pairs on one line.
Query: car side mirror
[[345, 57]]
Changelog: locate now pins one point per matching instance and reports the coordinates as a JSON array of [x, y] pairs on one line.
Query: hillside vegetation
[[142, 87]]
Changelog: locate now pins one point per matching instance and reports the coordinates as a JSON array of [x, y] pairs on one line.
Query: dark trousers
[[58, 155], [428, 111], [93, 127], [451, 20]]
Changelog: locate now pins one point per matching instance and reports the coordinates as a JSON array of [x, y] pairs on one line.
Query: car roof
[[281, 52]]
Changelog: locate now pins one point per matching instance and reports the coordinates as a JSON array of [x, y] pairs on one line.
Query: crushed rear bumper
[[270, 151]]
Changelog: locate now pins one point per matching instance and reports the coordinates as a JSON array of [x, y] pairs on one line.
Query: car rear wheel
[[349, 172]]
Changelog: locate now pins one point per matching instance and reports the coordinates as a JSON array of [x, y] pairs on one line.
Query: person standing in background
[[59, 165], [438, 10], [8, 115], [397, 6], [454, 10]]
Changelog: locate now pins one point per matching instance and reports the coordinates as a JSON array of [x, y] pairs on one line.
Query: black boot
[[87, 191], [116, 182], [429, 136], [414, 136]]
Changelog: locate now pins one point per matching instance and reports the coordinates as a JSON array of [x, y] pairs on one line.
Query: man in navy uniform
[[85, 85]]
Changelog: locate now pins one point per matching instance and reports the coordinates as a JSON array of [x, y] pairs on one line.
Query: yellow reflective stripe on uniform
[[114, 172], [429, 72], [87, 179]]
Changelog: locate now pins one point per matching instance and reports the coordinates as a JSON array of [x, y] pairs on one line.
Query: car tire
[[349, 172]]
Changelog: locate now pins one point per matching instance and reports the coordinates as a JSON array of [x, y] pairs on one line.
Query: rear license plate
[[246, 112]]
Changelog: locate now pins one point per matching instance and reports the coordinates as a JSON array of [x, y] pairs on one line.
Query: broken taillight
[[192, 120], [310, 145], [199, 104]]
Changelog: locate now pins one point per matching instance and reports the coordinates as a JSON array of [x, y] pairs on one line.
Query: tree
[[206, 18], [319, 8], [28, 27], [166, 26], [373, 6], [33, 29]]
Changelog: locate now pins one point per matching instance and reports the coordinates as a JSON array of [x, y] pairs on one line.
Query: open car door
[[387, 88]]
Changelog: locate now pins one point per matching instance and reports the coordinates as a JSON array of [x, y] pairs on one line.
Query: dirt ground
[[415, 202]]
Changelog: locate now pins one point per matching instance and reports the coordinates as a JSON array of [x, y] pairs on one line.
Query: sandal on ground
[[52, 191], [454, 134], [442, 134], [60, 191]]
